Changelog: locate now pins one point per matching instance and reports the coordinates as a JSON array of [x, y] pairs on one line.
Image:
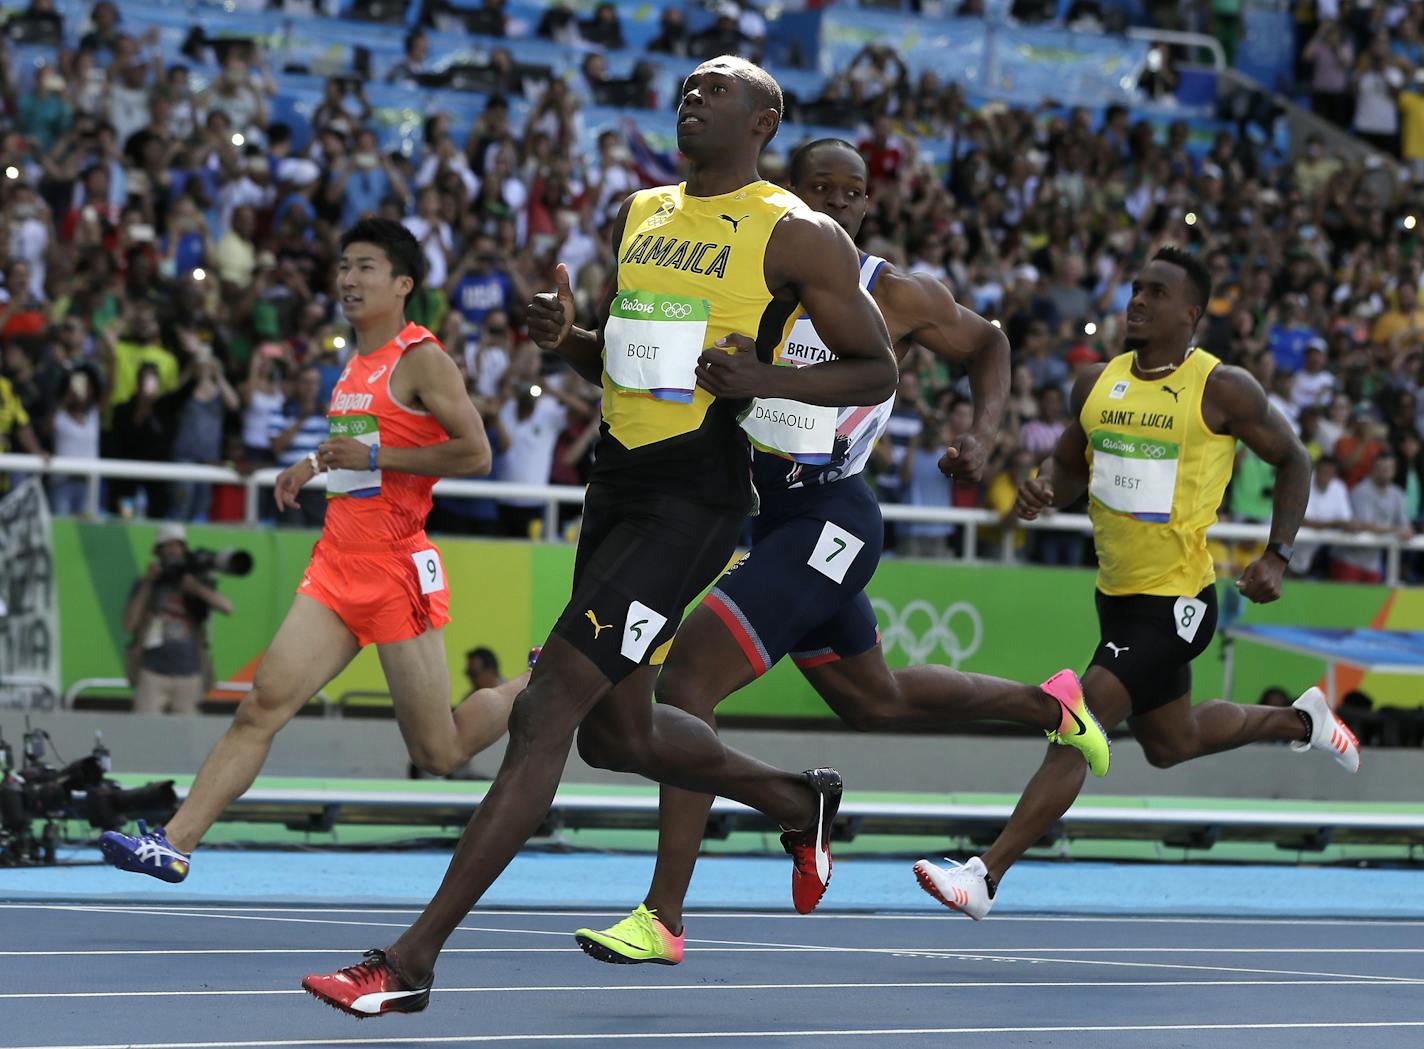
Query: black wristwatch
[[1282, 550]]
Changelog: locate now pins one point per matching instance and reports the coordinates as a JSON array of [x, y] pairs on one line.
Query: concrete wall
[[318, 747]]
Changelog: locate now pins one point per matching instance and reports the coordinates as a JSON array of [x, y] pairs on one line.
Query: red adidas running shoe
[[368, 988], [810, 849]]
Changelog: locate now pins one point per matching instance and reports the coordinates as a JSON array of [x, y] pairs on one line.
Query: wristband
[[311, 458], [1285, 551], [371, 459]]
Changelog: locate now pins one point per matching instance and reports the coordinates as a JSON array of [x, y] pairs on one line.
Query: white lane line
[[750, 914], [949, 985], [880, 1032]]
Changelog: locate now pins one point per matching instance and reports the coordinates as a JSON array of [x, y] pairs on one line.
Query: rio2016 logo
[[919, 629], [676, 310]]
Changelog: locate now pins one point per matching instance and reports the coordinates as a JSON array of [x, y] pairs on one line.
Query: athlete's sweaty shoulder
[[1231, 396], [909, 301], [807, 247], [1083, 386]]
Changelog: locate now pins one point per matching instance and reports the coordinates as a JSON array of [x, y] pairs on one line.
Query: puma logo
[[598, 627], [1117, 650], [1175, 393], [735, 222]]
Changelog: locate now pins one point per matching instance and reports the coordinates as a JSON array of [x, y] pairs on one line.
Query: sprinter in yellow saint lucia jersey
[[707, 276], [1152, 442]]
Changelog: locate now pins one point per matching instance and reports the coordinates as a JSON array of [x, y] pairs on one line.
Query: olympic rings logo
[[676, 310], [920, 628], [1153, 451]]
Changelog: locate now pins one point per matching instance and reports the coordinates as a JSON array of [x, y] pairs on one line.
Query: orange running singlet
[[375, 505]]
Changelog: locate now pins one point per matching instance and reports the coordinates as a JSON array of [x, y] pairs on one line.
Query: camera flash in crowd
[[1090, 328], [200, 274], [238, 139], [12, 172], [1191, 218], [535, 390], [338, 343], [995, 323], [1409, 220]]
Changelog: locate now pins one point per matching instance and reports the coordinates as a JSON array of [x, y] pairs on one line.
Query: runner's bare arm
[[922, 309], [1234, 403], [435, 384], [816, 259], [551, 316], [427, 379], [1063, 476]]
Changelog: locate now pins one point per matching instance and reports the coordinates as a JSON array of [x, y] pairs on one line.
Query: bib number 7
[[834, 552]]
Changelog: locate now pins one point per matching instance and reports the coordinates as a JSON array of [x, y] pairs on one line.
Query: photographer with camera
[[166, 615]]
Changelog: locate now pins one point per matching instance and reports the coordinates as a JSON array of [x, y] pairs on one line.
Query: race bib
[[362, 484], [1187, 616], [834, 552], [430, 570], [1135, 475], [805, 433], [652, 342]]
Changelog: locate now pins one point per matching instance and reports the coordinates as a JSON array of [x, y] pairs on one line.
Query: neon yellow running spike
[[638, 938], [1078, 728]]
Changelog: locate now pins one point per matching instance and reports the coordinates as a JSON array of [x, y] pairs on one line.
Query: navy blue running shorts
[[800, 591]]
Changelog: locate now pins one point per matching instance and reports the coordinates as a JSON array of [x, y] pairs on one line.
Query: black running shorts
[[1148, 643], [641, 558]]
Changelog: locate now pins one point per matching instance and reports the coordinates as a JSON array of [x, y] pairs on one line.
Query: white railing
[[555, 495]]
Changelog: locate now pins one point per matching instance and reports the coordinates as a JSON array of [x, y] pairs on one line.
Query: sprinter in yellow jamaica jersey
[[1152, 441], [707, 279]]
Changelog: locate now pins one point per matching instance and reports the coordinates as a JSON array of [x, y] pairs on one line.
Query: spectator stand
[[1377, 651]]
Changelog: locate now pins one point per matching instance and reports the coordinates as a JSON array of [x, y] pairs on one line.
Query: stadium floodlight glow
[[200, 274], [1190, 218], [338, 343], [1090, 328], [12, 172], [238, 139], [1409, 220]]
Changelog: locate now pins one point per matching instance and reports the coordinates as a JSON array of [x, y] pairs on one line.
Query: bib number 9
[[430, 570]]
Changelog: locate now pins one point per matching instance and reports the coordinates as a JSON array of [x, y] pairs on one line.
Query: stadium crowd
[[168, 265]]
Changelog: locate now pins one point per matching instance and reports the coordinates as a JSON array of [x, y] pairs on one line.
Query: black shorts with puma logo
[[1149, 641]]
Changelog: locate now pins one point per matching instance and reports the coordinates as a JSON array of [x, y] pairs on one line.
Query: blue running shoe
[[148, 853], [534, 655]]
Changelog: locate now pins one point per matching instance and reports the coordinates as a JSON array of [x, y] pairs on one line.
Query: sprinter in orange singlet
[[399, 419]]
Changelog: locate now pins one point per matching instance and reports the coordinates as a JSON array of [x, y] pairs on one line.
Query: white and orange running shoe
[[962, 887], [1328, 732]]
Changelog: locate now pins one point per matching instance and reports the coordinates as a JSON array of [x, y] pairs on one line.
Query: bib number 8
[[430, 570], [1188, 614]]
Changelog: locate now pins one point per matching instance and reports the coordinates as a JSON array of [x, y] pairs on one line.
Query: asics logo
[[919, 628], [1116, 650], [598, 627], [376, 375], [676, 310], [154, 853]]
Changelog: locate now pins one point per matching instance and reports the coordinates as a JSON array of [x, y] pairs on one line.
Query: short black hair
[[485, 656], [765, 91], [1196, 272], [801, 155], [399, 244]]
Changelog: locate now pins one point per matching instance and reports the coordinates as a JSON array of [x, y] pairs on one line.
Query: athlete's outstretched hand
[[551, 314], [1035, 496], [965, 459], [290, 481], [731, 368], [1261, 582]]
